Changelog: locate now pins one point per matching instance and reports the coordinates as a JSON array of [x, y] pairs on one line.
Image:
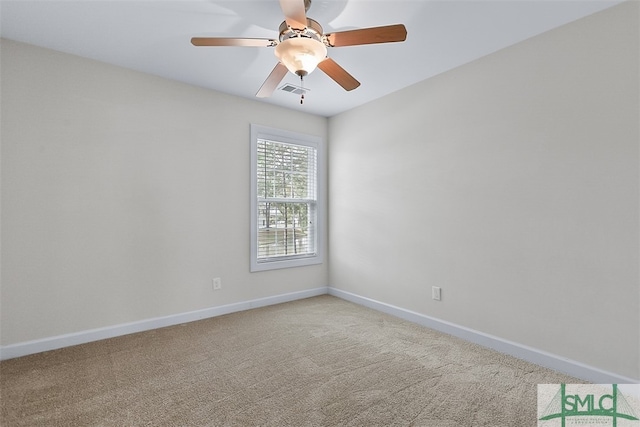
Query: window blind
[[286, 200]]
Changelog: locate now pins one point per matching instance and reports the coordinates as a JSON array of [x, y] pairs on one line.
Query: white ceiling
[[154, 37]]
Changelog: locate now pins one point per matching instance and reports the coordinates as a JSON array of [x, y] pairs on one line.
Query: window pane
[[285, 170], [285, 229]]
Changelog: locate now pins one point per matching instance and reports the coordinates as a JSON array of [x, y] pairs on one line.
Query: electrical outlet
[[217, 283], [436, 293]]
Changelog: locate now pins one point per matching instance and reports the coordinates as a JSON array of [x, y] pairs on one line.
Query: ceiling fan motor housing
[[313, 30]]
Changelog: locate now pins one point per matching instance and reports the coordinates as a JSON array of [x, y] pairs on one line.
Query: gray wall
[[510, 182], [123, 195]]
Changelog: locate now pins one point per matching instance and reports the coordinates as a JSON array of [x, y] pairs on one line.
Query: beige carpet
[[315, 362]]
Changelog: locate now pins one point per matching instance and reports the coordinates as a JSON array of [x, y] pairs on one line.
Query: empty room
[[325, 213]]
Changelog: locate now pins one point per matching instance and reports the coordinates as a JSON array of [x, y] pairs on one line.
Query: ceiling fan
[[302, 46]]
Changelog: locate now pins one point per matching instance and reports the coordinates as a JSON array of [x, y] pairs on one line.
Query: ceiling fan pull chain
[[302, 87]]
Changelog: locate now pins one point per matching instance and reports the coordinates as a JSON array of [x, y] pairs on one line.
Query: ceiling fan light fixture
[[301, 55], [302, 45]]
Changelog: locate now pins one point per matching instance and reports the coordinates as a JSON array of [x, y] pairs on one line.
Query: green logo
[[585, 405]]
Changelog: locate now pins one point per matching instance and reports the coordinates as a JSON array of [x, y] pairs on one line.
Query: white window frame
[[288, 137]]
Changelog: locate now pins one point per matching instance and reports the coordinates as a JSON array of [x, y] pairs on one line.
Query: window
[[286, 199]]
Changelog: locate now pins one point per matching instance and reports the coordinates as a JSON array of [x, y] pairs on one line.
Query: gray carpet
[[315, 362]]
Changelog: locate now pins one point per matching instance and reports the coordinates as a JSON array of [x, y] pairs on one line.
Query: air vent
[[294, 89]]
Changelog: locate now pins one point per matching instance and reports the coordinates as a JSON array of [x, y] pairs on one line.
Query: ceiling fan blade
[[386, 34], [228, 41], [338, 74], [295, 14], [272, 81]]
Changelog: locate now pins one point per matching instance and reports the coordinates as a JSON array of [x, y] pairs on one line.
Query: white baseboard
[[67, 340], [538, 357]]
